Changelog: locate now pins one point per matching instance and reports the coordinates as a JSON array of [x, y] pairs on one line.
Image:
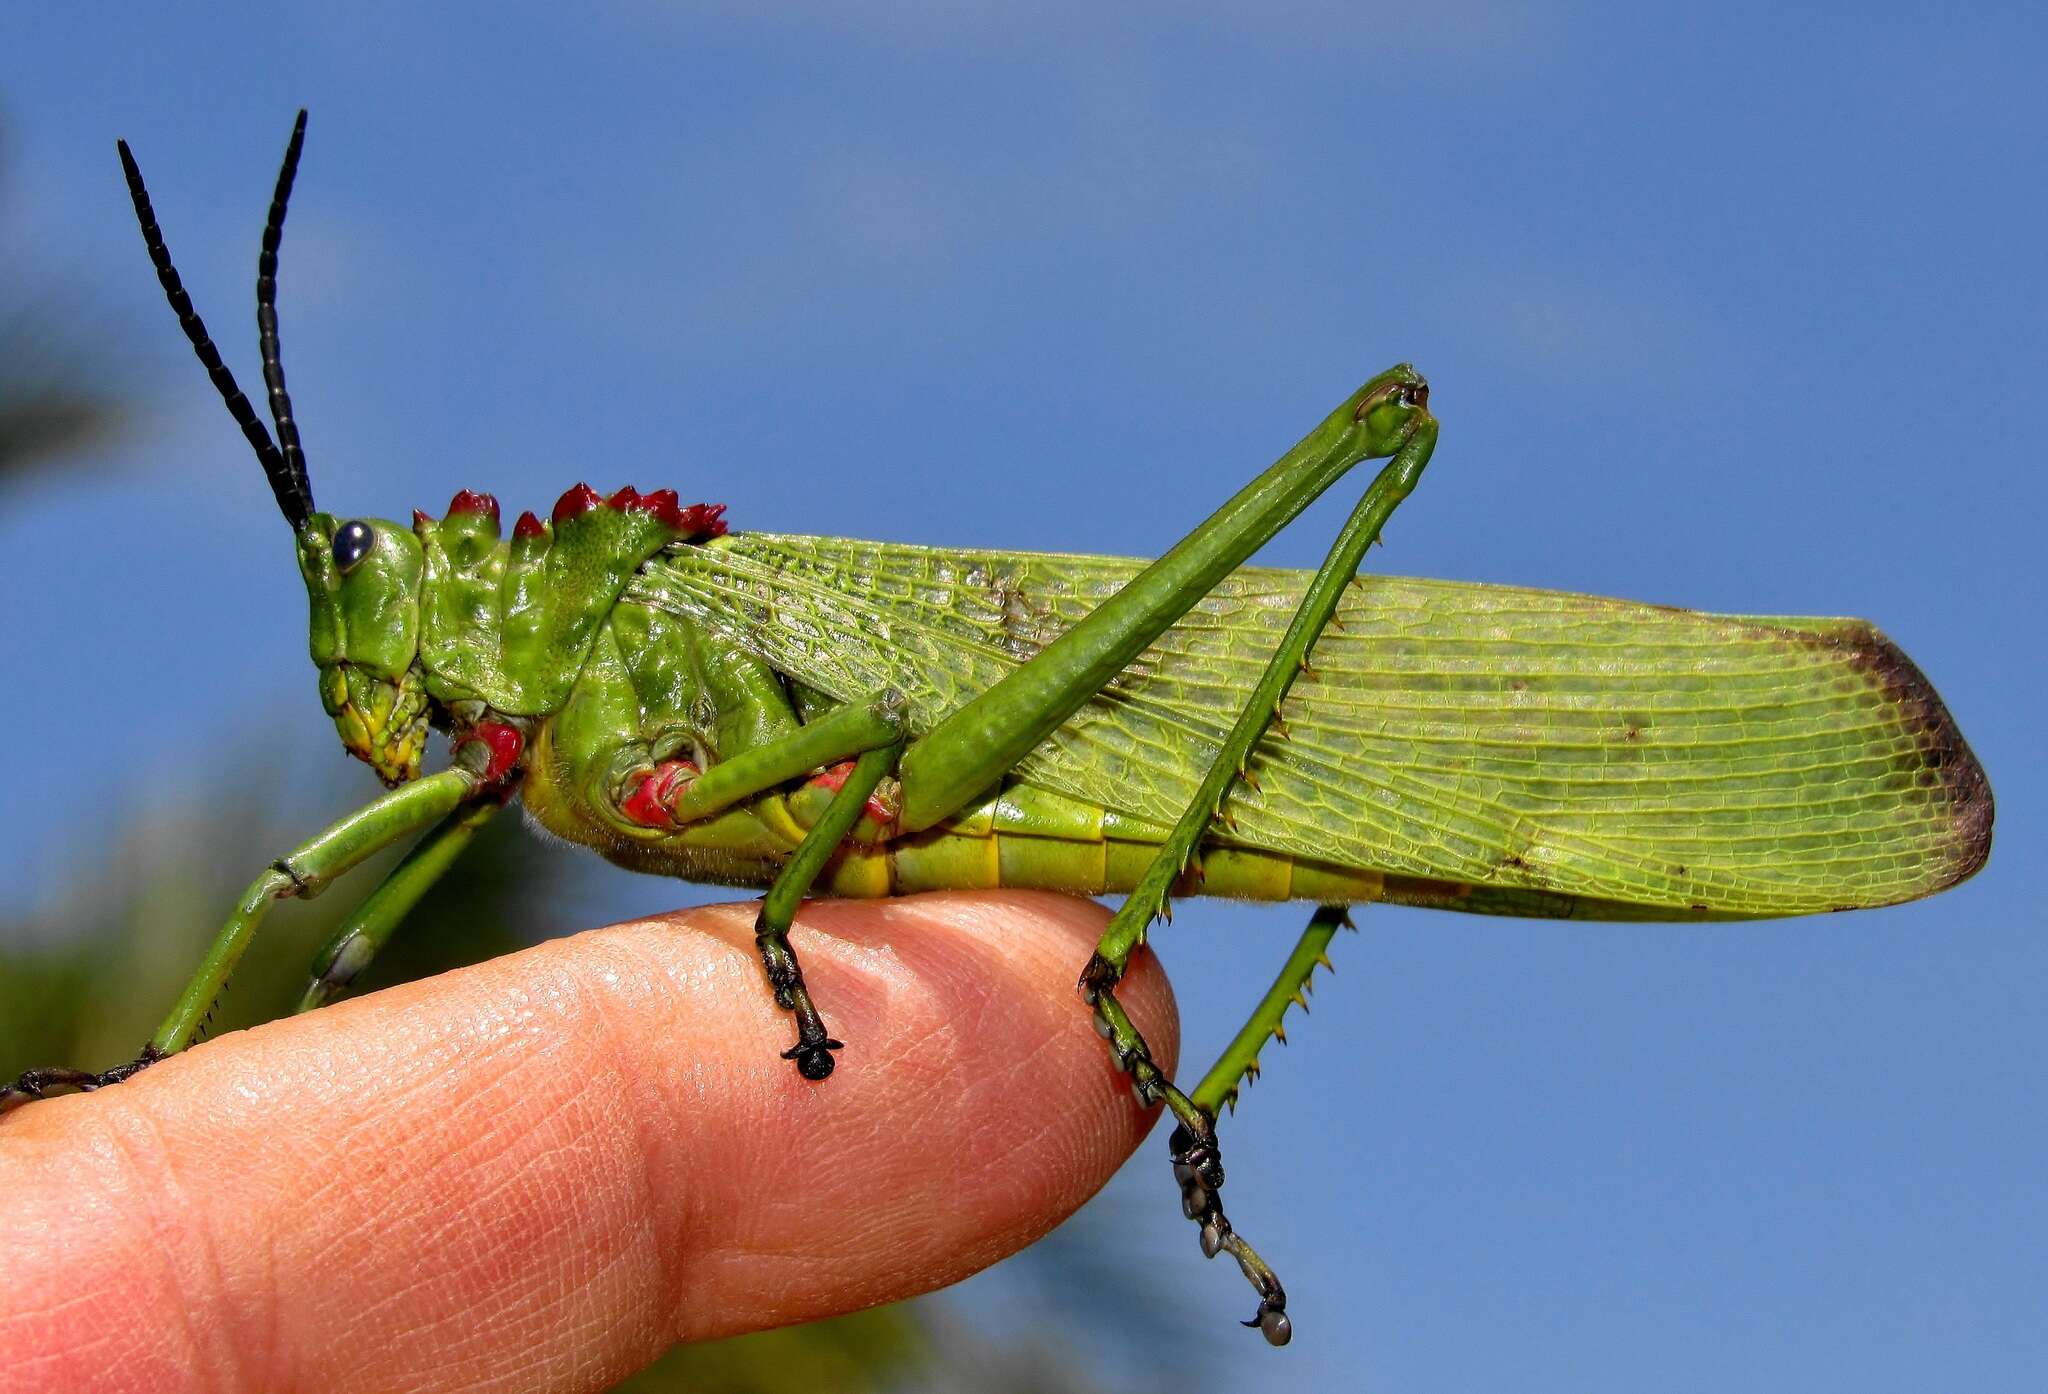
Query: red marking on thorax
[[469, 502], [835, 777], [577, 500], [702, 519], [697, 522], [648, 804], [662, 504], [878, 809], [506, 745]]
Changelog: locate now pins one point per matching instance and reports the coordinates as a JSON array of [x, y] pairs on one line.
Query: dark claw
[[1198, 1169], [39, 1084], [1201, 1155], [814, 1058], [1273, 1325], [1098, 975]]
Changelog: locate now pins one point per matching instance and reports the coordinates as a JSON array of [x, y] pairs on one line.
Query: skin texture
[[540, 1172]]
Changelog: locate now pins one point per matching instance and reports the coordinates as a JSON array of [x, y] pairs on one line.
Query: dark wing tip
[[1965, 790]]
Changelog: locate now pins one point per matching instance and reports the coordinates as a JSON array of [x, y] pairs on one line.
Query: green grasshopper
[[867, 719]]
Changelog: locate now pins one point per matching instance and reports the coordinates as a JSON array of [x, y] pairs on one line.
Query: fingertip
[[597, 1141], [972, 1108]]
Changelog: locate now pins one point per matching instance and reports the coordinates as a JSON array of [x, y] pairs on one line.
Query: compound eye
[[352, 542]]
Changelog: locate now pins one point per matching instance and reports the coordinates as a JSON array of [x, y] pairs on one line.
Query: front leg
[[46, 1083], [303, 872], [371, 924]]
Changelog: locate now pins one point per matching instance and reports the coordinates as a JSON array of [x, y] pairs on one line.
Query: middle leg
[[814, 1045]]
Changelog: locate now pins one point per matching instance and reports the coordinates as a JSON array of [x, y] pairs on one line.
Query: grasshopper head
[[363, 581], [363, 574]]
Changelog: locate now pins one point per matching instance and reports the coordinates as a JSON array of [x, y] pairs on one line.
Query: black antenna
[[266, 316], [294, 494]]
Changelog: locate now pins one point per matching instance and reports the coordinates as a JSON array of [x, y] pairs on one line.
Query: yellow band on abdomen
[[945, 859]]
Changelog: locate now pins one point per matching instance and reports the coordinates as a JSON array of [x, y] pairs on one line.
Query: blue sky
[[1724, 307]]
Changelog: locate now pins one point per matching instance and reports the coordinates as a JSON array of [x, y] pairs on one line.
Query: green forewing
[[1559, 754]]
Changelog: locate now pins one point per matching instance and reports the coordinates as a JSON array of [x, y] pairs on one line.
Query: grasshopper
[[865, 719]]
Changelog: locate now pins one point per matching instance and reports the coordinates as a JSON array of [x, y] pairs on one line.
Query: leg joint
[[1098, 977]]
